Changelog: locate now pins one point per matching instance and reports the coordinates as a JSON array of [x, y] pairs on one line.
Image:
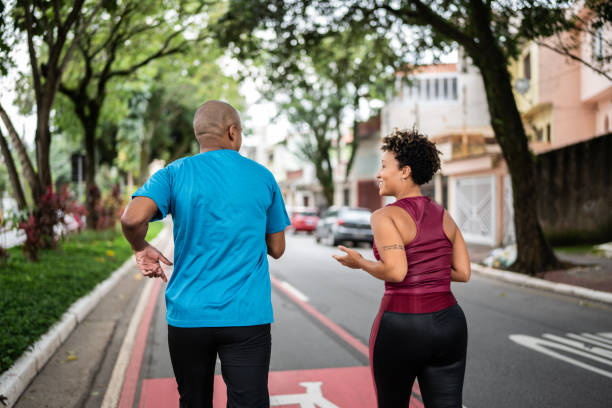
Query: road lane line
[[113, 391], [588, 339], [340, 332], [130, 383], [543, 345], [598, 338], [293, 290], [606, 335], [606, 354]]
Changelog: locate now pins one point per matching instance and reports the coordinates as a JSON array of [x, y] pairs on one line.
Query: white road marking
[[607, 335], [312, 398], [598, 338], [582, 346], [588, 339], [551, 345], [294, 291]]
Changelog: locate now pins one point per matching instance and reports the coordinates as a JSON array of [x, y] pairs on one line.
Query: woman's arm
[[393, 265], [460, 267]]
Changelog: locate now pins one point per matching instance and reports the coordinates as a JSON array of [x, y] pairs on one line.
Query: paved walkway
[[591, 271]]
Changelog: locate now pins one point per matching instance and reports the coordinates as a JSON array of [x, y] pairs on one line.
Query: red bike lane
[[292, 380]]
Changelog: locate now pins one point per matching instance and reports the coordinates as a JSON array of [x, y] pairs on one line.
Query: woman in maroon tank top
[[420, 330]]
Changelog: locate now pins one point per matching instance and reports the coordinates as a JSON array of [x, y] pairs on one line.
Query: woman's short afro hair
[[413, 149]]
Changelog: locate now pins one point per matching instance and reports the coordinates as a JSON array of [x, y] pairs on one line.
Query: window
[[548, 132], [445, 88], [598, 44], [454, 88], [527, 66], [427, 94], [347, 196], [437, 88], [417, 85]]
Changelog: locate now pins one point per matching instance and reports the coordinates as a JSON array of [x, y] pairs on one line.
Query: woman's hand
[[352, 259]]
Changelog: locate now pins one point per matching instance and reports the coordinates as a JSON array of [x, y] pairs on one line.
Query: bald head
[[213, 121]]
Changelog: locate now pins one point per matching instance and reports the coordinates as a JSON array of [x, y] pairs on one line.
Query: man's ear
[[232, 132]]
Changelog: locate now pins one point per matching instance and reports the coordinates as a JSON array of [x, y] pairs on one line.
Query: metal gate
[[474, 209]]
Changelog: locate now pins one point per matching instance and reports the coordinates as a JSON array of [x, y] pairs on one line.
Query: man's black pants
[[244, 352]]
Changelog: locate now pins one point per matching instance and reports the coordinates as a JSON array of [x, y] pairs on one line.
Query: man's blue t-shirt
[[222, 205]]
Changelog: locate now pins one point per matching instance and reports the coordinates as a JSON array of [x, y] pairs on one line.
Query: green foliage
[[317, 81], [33, 296]]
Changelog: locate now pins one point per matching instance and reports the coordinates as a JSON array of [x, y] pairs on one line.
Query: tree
[[315, 109], [52, 32], [12, 173], [490, 32], [121, 41], [159, 120], [318, 83]]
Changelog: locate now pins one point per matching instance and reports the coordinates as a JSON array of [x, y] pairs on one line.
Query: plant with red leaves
[[109, 209], [33, 237]]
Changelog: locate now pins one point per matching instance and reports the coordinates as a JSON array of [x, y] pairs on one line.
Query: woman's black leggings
[[427, 346]]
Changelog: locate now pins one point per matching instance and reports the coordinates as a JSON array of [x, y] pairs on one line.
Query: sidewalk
[[593, 271]]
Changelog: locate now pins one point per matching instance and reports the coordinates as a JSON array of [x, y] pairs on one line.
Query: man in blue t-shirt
[[228, 215]]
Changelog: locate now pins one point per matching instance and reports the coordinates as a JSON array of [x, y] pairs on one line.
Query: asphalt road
[[527, 348]]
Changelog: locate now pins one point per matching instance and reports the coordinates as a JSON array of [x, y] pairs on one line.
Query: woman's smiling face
[[389, 176]]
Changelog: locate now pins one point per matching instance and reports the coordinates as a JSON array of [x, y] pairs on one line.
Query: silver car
[[339, 224]]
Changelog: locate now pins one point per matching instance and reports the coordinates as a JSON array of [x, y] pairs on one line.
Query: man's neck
[[204, 149]]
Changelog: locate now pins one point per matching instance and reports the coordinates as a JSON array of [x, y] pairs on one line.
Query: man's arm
[[134, 224], [276, 244]]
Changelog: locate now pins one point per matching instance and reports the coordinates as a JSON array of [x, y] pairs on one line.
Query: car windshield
[[355, 215], [306, 213]]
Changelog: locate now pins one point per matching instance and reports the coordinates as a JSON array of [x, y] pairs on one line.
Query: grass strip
[[34, 296]]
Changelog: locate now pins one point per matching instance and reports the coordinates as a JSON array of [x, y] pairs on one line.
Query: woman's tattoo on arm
[[394, 246]]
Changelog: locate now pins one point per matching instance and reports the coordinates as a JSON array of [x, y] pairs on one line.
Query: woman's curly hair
[[413, 149]]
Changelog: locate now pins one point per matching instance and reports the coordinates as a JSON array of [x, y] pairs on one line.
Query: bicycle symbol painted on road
[[312, 398]]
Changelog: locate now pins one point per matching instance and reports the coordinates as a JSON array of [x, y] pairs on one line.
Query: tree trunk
[[43, 144], [324, 171], [90, 124], [534, 254], [355, 142], [13, 175], [26, 164]]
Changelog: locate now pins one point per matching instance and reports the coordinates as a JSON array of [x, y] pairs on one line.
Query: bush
[[33, 296]]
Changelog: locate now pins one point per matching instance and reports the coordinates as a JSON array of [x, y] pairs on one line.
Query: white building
[[295, 177], [447, 102]]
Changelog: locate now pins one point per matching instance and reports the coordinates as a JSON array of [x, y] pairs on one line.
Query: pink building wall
[[571, 119]]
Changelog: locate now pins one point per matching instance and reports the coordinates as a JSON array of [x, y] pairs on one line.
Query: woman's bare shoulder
[[449, 226]]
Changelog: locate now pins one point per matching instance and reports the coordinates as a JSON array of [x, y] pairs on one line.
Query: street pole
[[80, 177]]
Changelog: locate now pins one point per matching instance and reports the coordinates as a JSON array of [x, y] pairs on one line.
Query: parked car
[[339, 224], [304, 220]]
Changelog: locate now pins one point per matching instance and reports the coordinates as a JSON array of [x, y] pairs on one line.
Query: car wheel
[[317, 239], [332, 240]]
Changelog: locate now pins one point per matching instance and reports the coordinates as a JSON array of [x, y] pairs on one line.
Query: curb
[[15, 380], [561, 288]]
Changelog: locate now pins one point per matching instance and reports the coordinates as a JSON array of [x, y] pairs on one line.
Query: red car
[[304, 220]]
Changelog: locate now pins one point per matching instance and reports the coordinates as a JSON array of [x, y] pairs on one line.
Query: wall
[[575, 192]]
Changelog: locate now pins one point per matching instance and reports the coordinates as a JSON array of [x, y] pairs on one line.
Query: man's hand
[[352, 259], [148, 260]]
